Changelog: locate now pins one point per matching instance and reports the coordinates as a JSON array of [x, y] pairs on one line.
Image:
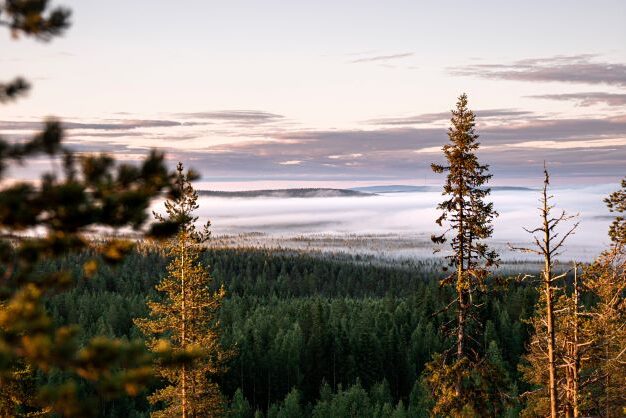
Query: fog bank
[[400, 222]]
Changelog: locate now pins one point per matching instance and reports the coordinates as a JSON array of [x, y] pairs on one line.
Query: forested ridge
[[301, 322]]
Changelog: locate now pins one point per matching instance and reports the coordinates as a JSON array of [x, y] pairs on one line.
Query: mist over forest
[[407, 217]]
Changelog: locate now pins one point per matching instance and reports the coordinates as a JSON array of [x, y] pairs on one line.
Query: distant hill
[[327, 192], [416, 189], [287, 193], [395, 189], [512, 189]]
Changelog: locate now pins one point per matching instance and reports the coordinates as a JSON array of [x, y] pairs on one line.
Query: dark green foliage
[[239, 407]]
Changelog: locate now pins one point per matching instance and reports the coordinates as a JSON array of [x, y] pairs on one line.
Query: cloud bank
[[244, 144]]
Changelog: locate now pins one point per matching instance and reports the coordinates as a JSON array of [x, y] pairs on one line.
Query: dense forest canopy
[[303, 323]]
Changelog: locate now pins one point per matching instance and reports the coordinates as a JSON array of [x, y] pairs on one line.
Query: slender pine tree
[[186, 316]]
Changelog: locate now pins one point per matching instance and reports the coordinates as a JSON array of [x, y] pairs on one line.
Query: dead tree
[[548, 243]]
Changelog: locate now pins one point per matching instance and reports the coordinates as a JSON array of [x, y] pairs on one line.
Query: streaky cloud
[[587, 99], [576, 146], [581, 69], [121, 124], [246, 116], [383, 58], [426, 118]]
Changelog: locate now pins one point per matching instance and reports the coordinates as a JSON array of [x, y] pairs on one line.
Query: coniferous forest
[[166, 324]]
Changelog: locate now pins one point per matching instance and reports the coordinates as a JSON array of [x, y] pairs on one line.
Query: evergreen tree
[[240, 407], [469, 216], [291, 406], [186, 315], [606, 279]]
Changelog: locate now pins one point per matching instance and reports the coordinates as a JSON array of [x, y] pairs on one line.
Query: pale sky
[[333, 93]]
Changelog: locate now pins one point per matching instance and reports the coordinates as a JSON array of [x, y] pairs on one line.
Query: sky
[[332, 93]]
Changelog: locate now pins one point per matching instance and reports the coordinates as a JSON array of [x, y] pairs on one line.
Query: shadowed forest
[[168, 325]]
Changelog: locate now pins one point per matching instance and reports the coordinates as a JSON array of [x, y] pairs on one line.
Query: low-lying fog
[[396, 223]]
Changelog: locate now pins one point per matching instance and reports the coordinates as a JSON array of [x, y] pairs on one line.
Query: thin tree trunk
[[243, 390], [576, 348], [569, 382], [607, 389], [460, 338], [551, 361], [183, 324], [547, 276], [334, 370], [460, 341], [269, 388]]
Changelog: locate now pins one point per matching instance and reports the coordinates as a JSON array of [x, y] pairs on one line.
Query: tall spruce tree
[[63, 208], [186, 315], [469, 217]]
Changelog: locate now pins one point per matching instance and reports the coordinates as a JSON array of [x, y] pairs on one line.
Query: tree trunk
[[460, 286], [269, 388], [183, 324], [547, 277], [551, 361], [607, 389], [575, 349], [460, 341]]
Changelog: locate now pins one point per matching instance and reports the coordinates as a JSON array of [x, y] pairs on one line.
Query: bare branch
[[560, 243], [444, 309], [538, 229], [524, 250]]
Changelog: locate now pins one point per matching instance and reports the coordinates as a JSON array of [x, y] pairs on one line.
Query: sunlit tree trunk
[[547, 277], [548, 243], [462, 303], [183, 313]]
